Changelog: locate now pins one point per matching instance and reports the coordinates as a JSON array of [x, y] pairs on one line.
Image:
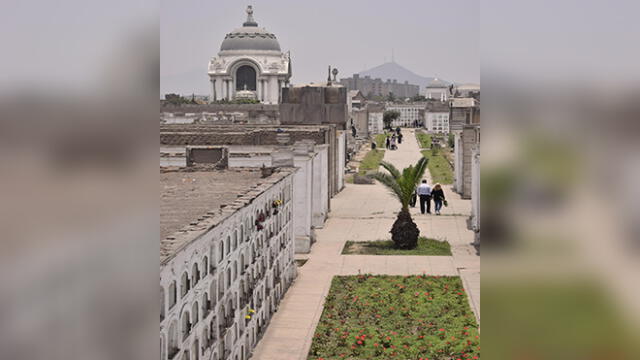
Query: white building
[[409, 114], [437, 122], [311, 182], [466, 90], [226, 259], [437, 90], [250, 60], [376, 124]]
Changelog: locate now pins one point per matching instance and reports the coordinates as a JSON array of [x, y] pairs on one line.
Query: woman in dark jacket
[[437, 194]]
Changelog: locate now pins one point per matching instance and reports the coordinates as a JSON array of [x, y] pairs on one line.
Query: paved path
[[359, 213]]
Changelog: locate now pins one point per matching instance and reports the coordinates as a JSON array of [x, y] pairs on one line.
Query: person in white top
[[424, 193]]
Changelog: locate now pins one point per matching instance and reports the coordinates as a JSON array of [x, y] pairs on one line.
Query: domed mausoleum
[[249, 65]]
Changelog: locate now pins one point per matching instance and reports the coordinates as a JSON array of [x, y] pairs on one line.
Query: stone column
[[213, 90], [258, 90], [279, 91]]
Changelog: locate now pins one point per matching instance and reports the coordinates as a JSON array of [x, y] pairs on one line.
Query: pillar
[[213, 90], [258, 90]]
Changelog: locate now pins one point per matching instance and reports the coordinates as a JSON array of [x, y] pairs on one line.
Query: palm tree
[[404, 232]]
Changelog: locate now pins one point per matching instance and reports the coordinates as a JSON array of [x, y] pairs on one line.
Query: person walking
[[400, 139], [424, 192], [393, 142], [438, 197], [388, 142], [414, 197]]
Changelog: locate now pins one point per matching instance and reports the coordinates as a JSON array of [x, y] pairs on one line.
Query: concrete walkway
[[360, 213]]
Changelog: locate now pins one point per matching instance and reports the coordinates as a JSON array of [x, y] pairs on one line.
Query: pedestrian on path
[[438, 197], [388, 143], [400, 139], [424, 192]]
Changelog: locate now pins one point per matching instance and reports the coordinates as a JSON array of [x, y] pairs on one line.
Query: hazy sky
[[431, 38]]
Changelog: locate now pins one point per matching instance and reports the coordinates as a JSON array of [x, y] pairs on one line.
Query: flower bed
[[396, 317], [430, 247]]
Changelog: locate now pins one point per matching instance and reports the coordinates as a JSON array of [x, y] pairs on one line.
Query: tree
[[404, 231], [389, 116], [391, 97], [175, 99], [418, 98]]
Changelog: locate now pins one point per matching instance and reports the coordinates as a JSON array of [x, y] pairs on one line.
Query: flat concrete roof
[[194, 201], [187, 196]]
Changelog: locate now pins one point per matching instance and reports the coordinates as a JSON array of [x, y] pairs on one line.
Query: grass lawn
[[424, 140], [380, 140], [572, 318], [396, 317], [385, 247], [371, 161], [439, 167]]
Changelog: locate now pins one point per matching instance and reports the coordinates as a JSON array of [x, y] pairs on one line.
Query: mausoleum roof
[[250, 37], [437, 83]]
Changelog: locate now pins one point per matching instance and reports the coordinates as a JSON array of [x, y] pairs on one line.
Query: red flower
[[376, 344], [359, 342], [440, 329]]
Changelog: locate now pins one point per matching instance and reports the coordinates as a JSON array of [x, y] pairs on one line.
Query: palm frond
[[391, 184], [420, 168], [391, 169]]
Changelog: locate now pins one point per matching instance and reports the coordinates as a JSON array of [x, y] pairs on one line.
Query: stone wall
[[220, 114], [361, 122], [314, 105], [227, 267], [470, 140], [216, 156], [174, 135], [200, 134]]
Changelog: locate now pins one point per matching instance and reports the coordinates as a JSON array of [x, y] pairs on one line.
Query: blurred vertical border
[[560, 174], [78, 180]]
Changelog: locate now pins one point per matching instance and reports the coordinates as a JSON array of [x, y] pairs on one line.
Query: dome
[[250, 37], [437, 83]]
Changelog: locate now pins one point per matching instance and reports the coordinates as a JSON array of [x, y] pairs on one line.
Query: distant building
[[251, 64], [437, 90], [468, 90], [376, 87], [437, 117], [464, 111], [410, 114], [355, 100]]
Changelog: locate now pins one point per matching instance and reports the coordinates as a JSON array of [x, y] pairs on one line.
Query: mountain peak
[[393, 70]]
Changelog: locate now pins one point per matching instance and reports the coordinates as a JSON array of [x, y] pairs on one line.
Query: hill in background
[[393, 70]]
